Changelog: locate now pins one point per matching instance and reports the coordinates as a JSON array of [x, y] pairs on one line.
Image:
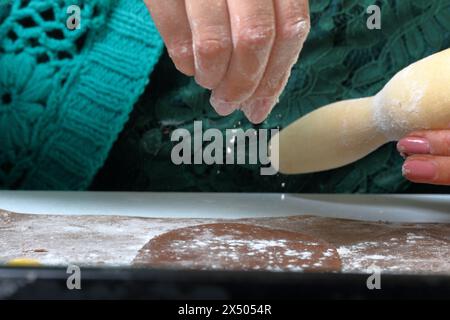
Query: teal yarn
[[65, 95]]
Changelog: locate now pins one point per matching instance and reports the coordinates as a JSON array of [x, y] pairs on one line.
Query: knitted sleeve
[[67, 85]]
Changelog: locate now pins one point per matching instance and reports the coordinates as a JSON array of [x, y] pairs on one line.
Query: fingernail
[[413, 145], [222, 107], [420, 170]]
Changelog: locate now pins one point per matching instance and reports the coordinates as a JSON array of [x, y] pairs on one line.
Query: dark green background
[[342, 59]]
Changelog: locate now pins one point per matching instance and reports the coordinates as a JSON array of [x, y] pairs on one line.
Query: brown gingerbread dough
[[237, 246]]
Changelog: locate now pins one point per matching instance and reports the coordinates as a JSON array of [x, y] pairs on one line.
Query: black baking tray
[[132, 283]]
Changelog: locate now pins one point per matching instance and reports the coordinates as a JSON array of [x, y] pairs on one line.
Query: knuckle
[[180, 50], [296, 27], [211, 47], [256, 33]]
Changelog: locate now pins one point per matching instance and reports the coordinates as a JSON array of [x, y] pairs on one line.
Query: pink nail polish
[[413, 145], [419, 170]]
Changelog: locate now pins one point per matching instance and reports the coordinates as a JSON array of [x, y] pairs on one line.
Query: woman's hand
[[428, 156], [243, 50]]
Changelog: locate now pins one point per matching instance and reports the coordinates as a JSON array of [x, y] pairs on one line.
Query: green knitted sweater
[[66, 94]]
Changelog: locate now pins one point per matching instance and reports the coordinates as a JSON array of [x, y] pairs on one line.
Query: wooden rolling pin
[[418, 97]]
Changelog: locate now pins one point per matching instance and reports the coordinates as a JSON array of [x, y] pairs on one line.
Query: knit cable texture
[[66, 94]]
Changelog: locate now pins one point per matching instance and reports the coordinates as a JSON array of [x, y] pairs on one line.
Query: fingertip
[[433, 142], [222, 107], [420, 170], [185, 68], [257, 109], [414, 145], [183, 59], [187, 71], [204, 82], [400, 147], [211, 67], [248, 113]]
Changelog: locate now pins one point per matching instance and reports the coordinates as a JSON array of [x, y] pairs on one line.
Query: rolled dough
[[236, 246], [418, 97]]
